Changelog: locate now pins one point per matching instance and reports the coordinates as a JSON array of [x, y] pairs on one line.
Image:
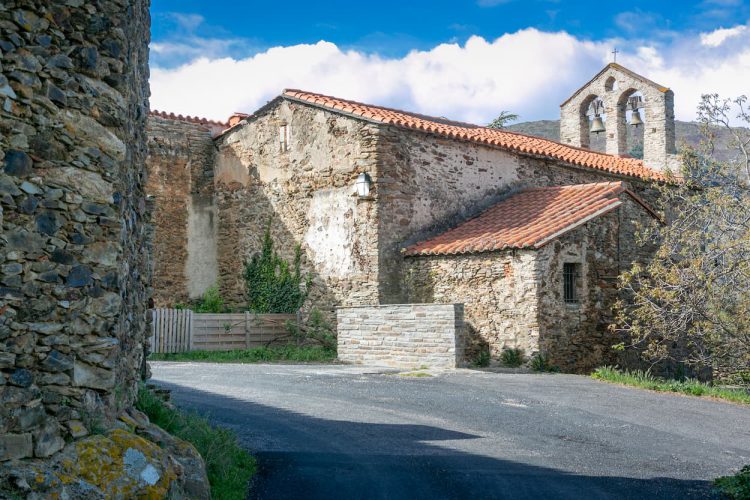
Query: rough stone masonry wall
[[180, 183], [74, 262], [576, 337], [428, 184], [307, 194], [499, 291], [614, 86], [402, 336], [515, 298]]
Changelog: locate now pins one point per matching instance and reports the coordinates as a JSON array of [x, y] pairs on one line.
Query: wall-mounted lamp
[[364, 181]]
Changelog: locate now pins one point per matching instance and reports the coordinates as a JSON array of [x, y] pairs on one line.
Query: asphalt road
[[350, 432]]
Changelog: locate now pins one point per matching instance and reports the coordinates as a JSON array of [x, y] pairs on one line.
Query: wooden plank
[[190, 331], [181, 331], [161, 330], [185, 330], [170, 329]]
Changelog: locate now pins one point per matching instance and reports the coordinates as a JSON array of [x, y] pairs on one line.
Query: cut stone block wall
[[74, 255], [402, 336]]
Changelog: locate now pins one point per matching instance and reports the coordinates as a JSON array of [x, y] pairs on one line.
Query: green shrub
[[512, 357], [482, 358], [229, 467], [316, 329], [273, 286], [735, 487], [540, 363], [211, 302]]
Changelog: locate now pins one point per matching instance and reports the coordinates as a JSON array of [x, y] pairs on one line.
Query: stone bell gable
[[614, 85]]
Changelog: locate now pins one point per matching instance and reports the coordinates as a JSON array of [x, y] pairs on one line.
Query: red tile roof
[[473, 133], [528, 219], [188, 118]]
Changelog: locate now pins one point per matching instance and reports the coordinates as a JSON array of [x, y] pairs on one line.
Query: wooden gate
[[174, 330]]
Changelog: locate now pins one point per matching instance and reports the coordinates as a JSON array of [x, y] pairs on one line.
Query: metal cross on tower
[[614, 53]]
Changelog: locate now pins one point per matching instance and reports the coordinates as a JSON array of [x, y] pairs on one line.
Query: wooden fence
[[182, 330]]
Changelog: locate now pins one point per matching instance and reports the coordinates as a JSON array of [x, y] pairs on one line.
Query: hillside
[[686, 132]]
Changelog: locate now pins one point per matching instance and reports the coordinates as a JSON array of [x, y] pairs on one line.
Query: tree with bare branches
[[691, 303]]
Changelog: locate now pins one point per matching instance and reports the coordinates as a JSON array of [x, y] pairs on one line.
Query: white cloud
[[529, 72], [719, 36]]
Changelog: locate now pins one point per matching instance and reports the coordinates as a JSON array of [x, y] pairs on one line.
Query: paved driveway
[[352, 432]]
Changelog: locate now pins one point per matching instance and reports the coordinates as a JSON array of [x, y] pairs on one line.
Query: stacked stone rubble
[[74, 263]]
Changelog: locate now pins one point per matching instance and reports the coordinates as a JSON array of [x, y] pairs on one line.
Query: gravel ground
[[333, 431]]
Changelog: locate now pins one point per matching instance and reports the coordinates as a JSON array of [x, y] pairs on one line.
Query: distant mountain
[[686, 132]]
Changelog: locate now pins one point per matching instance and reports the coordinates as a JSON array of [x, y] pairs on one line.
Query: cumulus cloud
[[529, 72], [719, 36]]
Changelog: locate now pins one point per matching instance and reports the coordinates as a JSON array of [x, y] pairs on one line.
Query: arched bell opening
[[611, 84], [593, 123], [631, 119]]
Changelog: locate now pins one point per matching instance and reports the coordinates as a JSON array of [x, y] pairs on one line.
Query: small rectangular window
[[283, 138], [570, 282]]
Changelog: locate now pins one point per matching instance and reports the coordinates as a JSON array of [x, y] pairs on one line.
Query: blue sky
[[326, 44]]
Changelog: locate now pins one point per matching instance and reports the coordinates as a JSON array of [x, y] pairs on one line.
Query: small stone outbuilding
[[537, 271]]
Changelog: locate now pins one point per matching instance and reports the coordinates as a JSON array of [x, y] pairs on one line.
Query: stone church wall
[[576, 337], [74, 260], [307, 195], [499, 291], [180, 185], [429, 184]]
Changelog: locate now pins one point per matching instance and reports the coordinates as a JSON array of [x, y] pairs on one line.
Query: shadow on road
[[306, 457]]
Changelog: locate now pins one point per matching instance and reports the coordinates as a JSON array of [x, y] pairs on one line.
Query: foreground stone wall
[[402, 336], [74, 261], [306, 193], [180, 183]]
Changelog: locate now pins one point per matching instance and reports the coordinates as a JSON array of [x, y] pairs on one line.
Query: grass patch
[[736, 487], [309, 354], [692, 387], [229, 467], [415, 374]]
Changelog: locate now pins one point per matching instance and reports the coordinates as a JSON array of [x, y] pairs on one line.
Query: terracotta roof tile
[[527, 219], [188, 118], [499, 138]]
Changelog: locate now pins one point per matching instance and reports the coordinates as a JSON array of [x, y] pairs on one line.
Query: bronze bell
[[597, 125], [635, 118]]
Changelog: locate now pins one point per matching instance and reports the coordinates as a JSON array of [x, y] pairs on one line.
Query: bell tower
[[604, 104]]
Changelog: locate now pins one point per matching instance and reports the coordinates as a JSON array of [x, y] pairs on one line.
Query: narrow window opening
[[571, 273], [284, 138]]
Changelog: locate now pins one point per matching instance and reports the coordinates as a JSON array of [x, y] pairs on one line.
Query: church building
[[395, 207]]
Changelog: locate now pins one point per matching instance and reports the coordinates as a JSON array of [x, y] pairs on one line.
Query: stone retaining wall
[[402, 336]]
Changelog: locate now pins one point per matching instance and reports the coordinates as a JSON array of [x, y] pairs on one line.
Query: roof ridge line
[[186, 118], [500, 138]]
